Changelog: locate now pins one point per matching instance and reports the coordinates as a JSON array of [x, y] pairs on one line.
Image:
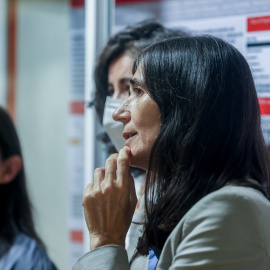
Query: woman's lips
[[128, 137]]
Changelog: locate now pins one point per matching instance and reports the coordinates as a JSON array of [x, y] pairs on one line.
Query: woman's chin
[[137, 161]]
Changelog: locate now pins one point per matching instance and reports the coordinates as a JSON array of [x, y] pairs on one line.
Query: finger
[[99, 175], [110, 168], [123, 169], [87, 193]]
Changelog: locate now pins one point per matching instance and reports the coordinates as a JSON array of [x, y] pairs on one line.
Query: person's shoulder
[[36, 255], [234, 196], [27, 254], [227, 227], [235, 207]]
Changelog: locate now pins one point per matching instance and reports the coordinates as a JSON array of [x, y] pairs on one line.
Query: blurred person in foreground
[[192, 121], [20, 246], [112, 78]]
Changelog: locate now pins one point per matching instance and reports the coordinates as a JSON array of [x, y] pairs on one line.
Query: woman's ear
[[10, 168]]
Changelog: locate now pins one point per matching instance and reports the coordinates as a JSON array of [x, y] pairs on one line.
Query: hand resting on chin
[[110, 201]]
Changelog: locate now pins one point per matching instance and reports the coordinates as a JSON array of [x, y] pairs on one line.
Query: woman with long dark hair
[[113, 72], [192, 120], [20, 246]]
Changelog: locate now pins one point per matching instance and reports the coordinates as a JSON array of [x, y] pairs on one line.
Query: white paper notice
[[258, 51]]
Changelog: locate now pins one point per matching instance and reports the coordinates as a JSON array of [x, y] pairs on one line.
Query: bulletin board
[[243, 23]]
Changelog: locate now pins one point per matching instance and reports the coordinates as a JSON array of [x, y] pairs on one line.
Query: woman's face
[[140, 116], [120, 73]]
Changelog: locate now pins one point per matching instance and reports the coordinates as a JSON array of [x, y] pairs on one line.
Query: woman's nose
[[122, 113]]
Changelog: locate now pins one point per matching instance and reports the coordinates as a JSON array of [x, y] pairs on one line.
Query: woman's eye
[[138, 91], [135, 91]]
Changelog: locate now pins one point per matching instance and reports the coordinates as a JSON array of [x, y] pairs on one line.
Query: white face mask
[[113, 129]]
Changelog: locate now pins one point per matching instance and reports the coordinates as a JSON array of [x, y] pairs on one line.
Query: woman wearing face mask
[[192, 120], [112, 77], [20, 246]]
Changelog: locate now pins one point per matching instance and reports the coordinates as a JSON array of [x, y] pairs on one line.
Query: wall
[[42, 111]]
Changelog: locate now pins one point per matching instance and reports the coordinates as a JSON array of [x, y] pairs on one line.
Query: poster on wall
[[76, 131], [243, 23], [250, 34]]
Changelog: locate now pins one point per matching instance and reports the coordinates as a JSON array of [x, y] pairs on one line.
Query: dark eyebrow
[[135, 81], [123, 80]]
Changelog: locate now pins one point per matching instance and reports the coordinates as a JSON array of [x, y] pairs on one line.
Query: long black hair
[[211, 130], [15, 206]]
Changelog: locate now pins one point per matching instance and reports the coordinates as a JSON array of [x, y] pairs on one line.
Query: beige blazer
[[227, 229]]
